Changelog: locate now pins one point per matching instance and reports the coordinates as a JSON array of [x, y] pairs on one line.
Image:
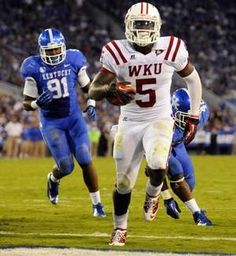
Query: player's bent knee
[[175, 180], [123, 185], [66, 165], [156, 175]]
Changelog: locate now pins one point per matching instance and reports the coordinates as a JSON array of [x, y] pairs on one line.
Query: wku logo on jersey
[[145, 70]]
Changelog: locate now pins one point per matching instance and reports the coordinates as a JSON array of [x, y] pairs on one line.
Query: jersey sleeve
[[27, 70], [106, 59], [77, 58], [176, 54]]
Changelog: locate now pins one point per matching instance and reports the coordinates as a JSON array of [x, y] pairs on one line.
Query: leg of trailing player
[[182, 181], [172, 207], [77, 144]]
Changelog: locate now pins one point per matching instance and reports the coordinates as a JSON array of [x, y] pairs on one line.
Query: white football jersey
[[150, 75]]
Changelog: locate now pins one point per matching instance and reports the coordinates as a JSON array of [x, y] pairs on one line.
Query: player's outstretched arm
[[193, 82], [100, 85]]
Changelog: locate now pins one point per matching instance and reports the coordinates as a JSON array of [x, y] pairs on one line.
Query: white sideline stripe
[[98, 234], [83, 252]]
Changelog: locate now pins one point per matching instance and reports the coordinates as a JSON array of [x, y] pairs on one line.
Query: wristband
[[34, 104], [91, 102]]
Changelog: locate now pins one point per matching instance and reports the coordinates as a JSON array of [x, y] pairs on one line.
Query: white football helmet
[[142, 24]]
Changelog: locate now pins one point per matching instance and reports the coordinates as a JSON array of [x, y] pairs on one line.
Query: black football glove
[[190, 129]]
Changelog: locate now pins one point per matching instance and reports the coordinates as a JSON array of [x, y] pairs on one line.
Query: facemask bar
[[53, 59], [180, 119]]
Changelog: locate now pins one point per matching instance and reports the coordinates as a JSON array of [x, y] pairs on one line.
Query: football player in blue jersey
[[51, 80], [180, 167]]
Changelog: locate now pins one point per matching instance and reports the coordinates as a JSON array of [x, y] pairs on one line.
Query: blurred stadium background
[[208, 27]]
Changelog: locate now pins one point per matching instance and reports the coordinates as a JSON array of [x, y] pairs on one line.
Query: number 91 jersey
[[150, 75], [60, 79]]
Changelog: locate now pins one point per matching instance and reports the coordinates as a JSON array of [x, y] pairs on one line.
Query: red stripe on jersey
[[119, 51], [176, 50], [169, 47], [104, 70], [142, 8], [147, 9], [112, 54]]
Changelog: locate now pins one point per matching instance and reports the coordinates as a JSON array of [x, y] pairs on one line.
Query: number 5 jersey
[[150, 75]]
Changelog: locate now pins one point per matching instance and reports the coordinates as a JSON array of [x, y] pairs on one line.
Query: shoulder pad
[[29, 66]]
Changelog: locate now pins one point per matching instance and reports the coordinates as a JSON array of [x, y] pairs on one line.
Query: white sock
[[120, 221], [53, 179], [152, 190], [166, 194], [95, 197], [192, 205]]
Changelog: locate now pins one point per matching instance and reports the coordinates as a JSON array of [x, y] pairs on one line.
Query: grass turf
[[27, 218]]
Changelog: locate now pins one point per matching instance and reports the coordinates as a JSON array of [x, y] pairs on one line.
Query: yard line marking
[[98, 234]]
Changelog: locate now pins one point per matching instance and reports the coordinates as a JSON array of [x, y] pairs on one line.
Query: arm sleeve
[[83, 77], [195, 91], [30, 88], [27, 72]]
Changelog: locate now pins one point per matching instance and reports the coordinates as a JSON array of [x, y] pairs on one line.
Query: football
[[115, 97]]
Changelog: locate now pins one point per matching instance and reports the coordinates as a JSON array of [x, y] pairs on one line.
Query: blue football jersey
[[60, 79], [204, 116]]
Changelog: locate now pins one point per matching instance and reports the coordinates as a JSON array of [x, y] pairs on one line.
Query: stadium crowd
[[210, 38]]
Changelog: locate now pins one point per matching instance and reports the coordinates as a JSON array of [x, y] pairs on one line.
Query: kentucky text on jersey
[[56, 74]]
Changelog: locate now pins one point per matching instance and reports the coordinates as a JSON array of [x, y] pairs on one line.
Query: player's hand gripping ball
[[120, 94]]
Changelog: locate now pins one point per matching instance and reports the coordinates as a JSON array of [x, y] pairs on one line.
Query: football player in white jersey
[[146, 61]]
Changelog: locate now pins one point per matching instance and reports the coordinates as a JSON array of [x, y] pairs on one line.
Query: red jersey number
[[140, 88]]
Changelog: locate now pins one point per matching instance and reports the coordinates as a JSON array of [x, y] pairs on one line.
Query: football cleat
[[201, 219], [52, 190], [150, 207], [98, 210], [118, 237], [172, 208]]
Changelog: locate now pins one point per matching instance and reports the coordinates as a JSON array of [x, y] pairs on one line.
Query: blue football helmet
[[52, 46], [180, 102]]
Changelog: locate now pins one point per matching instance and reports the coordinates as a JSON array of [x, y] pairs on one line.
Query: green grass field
[[27, 218]]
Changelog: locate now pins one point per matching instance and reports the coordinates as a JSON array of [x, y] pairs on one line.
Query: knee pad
[[66, 165], [175, 180], [123, 185], [157, 176]]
